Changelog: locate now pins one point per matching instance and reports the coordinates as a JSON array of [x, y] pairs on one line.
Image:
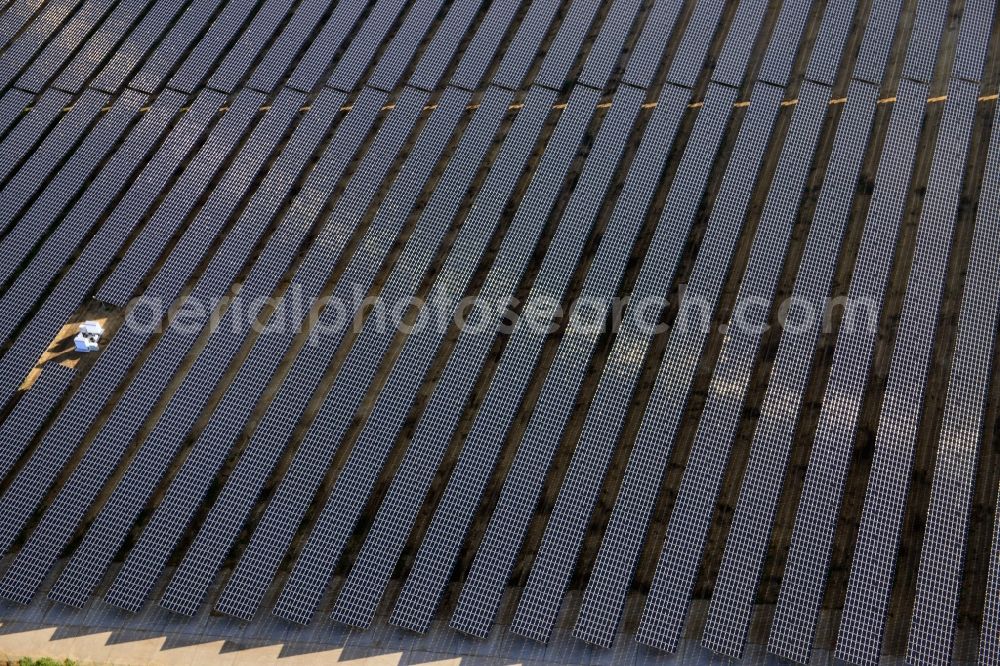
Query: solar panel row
[[181, 33], [973, 40], [519, 54], [803, 584], [401, 503], [443, 540], [783, 47], [400, 390], [442, 47], [942, 556], [828, 49], [464, 361], [240, 56], [108, 531], [289, 504], [313, 568], [104, 42], [877, 42], [647, 54], [29, 415], [189, 189], [611, 575], [735, 588], [873, 566], [405, 40], [15, 16], [49, 259], [32, 38], [565, 46], [232, 506], [487, 579], [37, 169], [29, 487], [60, 520], [30, 129], [922, 52], [687, 531], [296, 32], [12, 106], [187, 491], [33, 223], [74, 287], [132, 51], [602, 59], [203, 53], [61, 47], [731, 64], [688, 61], [479, 54], [326, 45]]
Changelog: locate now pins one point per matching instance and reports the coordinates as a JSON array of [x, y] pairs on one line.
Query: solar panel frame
[[873, 566], [484, 584], [274, 532], [542, 594], [440, 546], [388, 533], [31, 412], [108, 531], [942, 556]]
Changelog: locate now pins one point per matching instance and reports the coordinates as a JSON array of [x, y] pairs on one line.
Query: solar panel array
[[515, 304]]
